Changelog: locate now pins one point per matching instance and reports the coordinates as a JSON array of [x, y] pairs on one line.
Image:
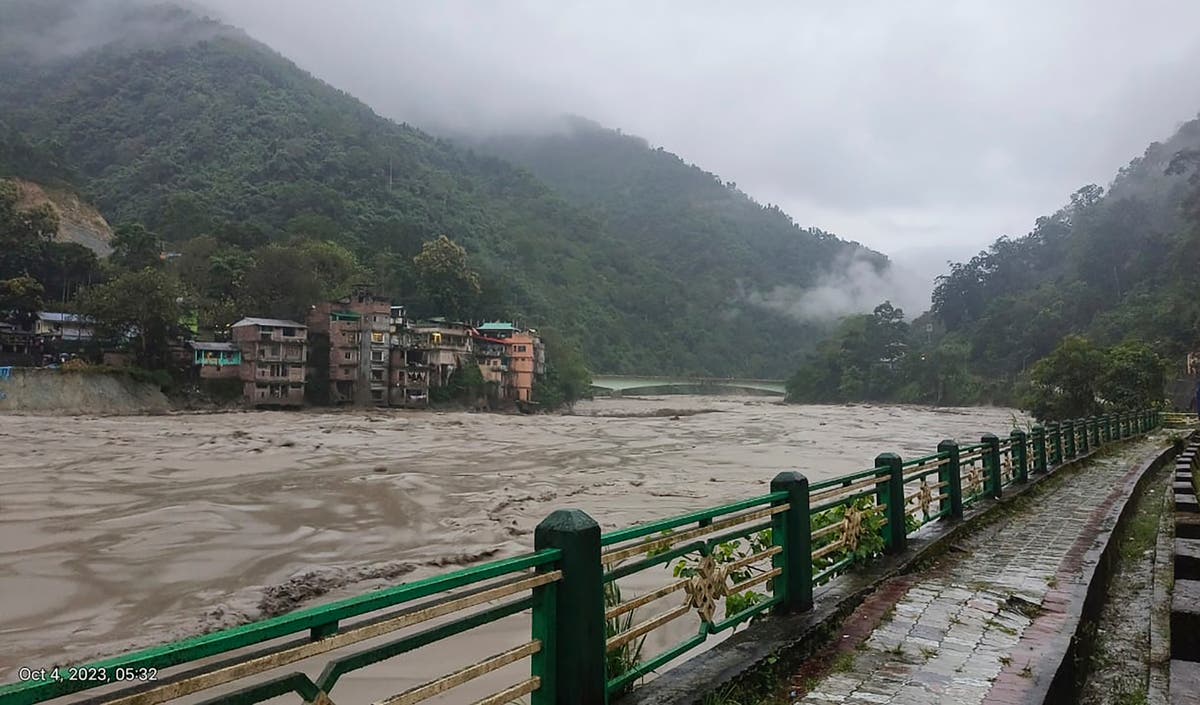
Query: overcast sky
[[923, 125]]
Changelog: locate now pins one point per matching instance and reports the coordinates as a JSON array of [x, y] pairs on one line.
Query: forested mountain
[[225, 150], [1111, 278], [675, 213], [1111, 265]]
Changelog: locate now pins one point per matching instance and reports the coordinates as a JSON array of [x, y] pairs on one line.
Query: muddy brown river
[[123, 532]]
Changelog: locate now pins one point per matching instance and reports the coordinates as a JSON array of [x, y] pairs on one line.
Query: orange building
[[509, 357]]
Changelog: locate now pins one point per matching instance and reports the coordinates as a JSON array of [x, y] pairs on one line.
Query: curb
[[1086, 599]]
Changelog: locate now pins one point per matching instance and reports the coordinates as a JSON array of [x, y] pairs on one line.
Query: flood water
[[123, 532]]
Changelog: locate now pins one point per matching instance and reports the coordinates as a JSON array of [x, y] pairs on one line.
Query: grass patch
[[844, 663]]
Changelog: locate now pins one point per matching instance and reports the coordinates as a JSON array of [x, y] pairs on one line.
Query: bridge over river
[[626, 384]]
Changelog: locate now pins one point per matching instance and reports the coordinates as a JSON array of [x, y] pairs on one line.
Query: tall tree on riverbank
[[140, 306], [447, 282]]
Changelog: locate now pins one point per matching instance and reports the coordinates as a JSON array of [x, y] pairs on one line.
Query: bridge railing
[[695, 576]]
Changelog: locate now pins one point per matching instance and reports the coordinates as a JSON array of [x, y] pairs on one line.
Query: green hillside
[[1113, 265], [675, 213], [1111, 277], [193, 129]]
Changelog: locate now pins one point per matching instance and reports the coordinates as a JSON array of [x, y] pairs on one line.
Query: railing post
[[1085, 438], [1095, 424], [891, 493], [991, 462], [951, 474], [1020, 451], [1039, 449], [577, 640], [1068, 434], [792, 530], [1055, 443]]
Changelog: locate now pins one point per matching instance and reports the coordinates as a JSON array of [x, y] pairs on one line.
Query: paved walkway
[[970, 629]]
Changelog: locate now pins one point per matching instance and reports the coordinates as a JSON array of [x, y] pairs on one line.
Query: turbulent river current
[[123, 532]]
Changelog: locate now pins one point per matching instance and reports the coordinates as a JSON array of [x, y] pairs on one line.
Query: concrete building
[[409, 386], [356, 332], [274, 354], [444, 347], [216, 360], [511, 358], [68, 327]]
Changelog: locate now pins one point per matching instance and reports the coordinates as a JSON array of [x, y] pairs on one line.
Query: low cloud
[[57, 30], [855, 284]]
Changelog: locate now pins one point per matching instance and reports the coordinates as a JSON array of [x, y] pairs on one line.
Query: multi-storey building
[[445, 347], [410, 370], [216, 360], [274, 353], [356, 333], [511, 358]]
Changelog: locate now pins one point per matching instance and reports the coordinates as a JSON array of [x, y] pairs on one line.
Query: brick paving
[[970, 629]]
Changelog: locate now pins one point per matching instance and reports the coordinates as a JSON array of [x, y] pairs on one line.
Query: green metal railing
[[766, 554]]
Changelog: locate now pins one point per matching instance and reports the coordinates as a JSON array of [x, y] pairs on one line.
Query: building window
[[377, 337], [348, 355], [376, 375], [289, 332], [378, 355]]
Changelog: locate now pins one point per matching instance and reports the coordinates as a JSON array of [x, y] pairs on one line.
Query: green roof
[[497, 325]]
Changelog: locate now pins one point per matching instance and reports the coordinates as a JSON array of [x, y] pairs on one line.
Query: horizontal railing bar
[[823, 531], [618, 640], [756, 580], [463, 675], [845, 489], [618, 683], [718, 627], [206, 645], [636, 532], [925, 471], [753, 558], [511, 693], [646, 599], [833, 569], [251, 664], [361, 659], [842, 501], [668, 540], [638, 566], [835, 481], [944, 455]]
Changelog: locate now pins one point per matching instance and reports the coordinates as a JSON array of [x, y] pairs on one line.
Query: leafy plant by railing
[[626, 657], [731, 552]]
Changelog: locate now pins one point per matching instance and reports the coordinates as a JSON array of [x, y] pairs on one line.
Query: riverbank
[[92, 392]]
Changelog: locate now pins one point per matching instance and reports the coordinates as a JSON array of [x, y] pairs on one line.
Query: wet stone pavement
[[971, 628]]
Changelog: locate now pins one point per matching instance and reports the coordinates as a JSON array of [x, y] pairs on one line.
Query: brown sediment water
[[123, 532]]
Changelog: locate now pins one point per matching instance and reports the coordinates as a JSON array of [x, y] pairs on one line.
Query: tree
[[281, 283], [25, 233], [567, 379], [451, 288], [1134, 377], [1064, 383], [135, 247], [139, 306], [21, 297]]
